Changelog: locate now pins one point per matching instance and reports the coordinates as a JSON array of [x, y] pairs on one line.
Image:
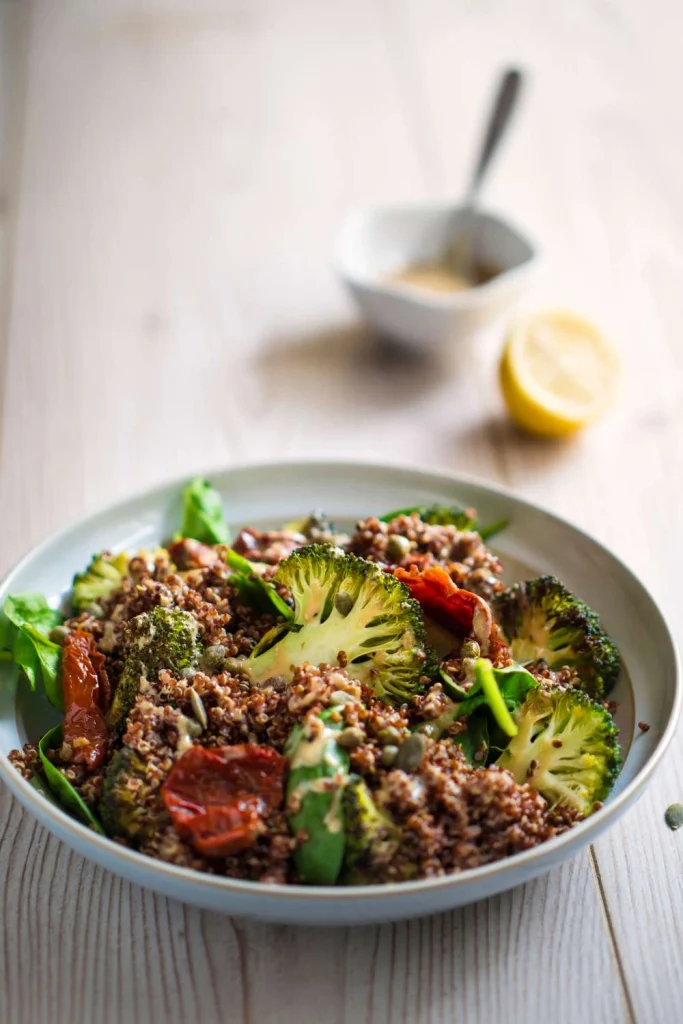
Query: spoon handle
[[501, 113]]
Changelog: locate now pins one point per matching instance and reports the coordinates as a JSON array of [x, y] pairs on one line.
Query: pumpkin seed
[[198, 708], [58, 634], [388, 756], [351, 737], [673, 816], [389, 736], [411, 752]]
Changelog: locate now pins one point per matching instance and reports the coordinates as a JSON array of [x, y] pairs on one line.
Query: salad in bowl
[[302, 706]]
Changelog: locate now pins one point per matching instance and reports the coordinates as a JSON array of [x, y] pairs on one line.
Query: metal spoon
[[461, 254]]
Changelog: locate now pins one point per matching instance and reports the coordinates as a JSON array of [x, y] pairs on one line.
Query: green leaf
[[450, 687], [67, 796], [203, 518], [475, 740], [26, 620], [38, 655], [514, 683], [32, 609], [486, 532], [255, 591]]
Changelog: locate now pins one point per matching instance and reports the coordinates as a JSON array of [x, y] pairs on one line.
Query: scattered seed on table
[[673, 816]]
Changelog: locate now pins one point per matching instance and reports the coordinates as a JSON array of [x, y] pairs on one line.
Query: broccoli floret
[[566, 747], [125, 808], [344, 603], [372, 836], [99, 581], [162, 638], [543, 621]]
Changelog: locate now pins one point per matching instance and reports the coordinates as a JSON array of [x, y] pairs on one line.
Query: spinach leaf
[[475, 740], [515, 683], [255, 591], [203, 518], [67, 796], [33, 609], [450, 687], [25, 622], [39, 656]]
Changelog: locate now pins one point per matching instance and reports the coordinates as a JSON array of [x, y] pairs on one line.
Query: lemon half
[[558, 373]]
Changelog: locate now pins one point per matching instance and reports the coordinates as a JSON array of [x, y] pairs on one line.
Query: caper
[[389, 736], [388, 756], [470, 649], [58, 634], [411, 752], [397, 547], [213, 659], [351, 737]]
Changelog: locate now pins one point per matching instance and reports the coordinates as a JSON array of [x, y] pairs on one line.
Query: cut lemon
[[558, 373]]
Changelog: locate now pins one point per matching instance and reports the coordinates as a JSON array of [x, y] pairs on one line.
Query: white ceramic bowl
[[377, 242], [536, 541]]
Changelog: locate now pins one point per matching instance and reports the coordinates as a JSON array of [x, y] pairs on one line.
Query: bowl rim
[[422, 298], [43, 808]]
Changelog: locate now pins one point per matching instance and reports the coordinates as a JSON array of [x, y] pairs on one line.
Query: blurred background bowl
[[378, 242]]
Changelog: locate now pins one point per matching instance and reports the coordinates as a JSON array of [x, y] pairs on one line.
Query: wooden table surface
[[173, 175]]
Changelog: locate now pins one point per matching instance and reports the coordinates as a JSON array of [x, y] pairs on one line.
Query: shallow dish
[[536, 541]]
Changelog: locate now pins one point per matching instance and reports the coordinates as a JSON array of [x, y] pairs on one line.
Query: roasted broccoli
[[437, 515], [345, 604], [566, 748], [372, 836], [99, 581], [543, 621], [162, 638], [125, 808]]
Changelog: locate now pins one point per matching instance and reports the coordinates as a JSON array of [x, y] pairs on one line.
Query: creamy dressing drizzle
[[311, 750], [481, 626]]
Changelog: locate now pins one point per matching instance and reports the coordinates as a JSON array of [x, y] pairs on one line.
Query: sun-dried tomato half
[[218, 797], [439, 597], [86, 691]]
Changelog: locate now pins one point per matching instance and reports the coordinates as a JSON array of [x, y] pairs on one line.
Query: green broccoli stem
[[486, 679]]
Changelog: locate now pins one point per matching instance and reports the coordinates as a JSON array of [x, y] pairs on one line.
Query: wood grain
[[173, 176]]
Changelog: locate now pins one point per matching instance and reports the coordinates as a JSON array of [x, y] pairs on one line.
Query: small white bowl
[[378, 242]]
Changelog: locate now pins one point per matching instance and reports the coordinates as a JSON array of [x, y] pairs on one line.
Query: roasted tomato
[[455, 609], [192, 554], [218, 797], [86, 692]]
